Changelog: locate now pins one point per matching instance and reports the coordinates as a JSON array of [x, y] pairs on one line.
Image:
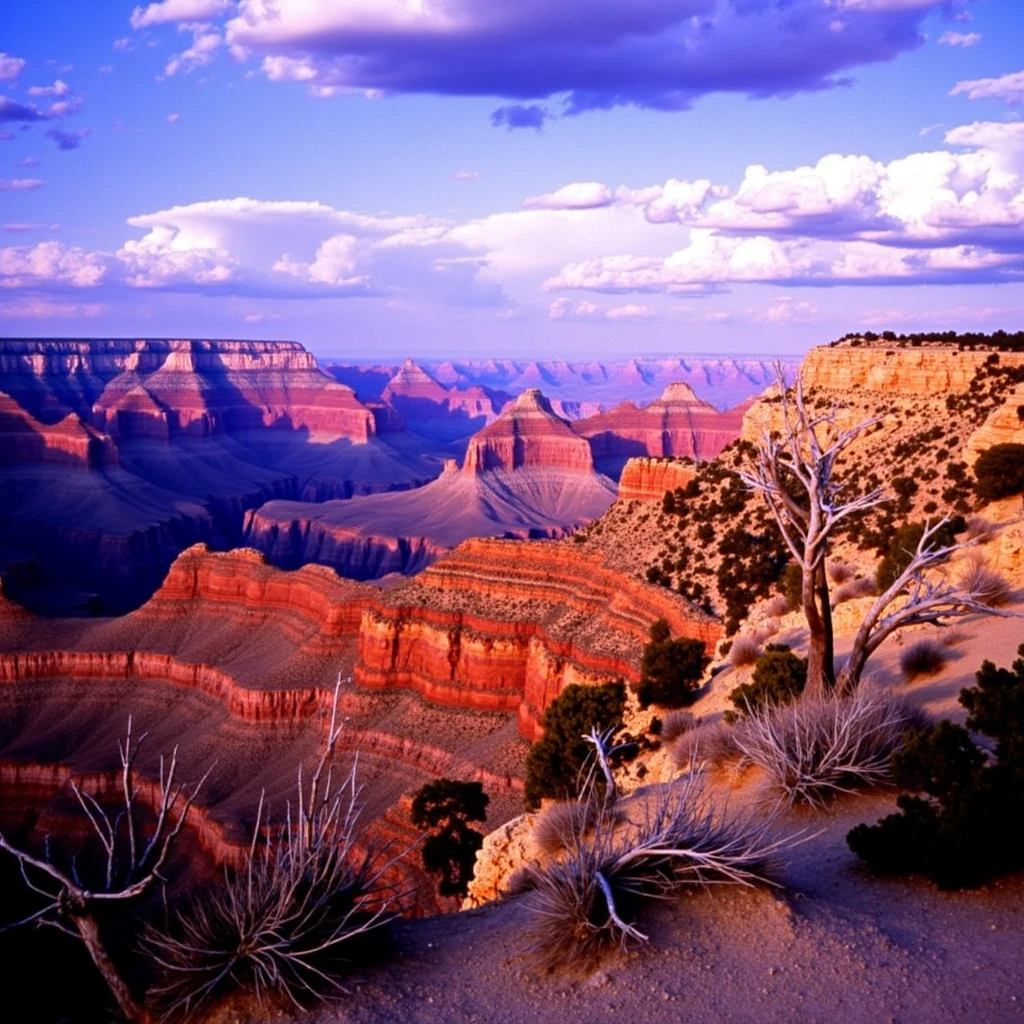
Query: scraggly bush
[[446, 806], [779, 678], [903, 545], [959, 820], [554, 764], [923, 658], [670, 670], [745, 651], [676, 723], [584, 905], [987, 585], [999, 472], [814, 750], [851, 590]]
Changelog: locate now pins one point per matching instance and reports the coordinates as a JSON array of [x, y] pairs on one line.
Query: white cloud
[[19, 184], [631, 311], [59, 88], [173, 118], [45, 309], [122, 44], [177, 10], [964, 39], [580, 195], [50, 263], [786, 310], [466, 175], [567, 309], [1007, 87], [206, 41], [10, 67]]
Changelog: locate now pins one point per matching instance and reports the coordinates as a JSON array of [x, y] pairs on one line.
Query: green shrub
[[957, 823], [779, 678], [792, 584], [446, 805], [554, 763], [999, 472], [671, 670]]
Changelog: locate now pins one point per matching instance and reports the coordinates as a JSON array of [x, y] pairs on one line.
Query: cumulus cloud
[[786, 310], [566, 309], [660, 54], [520, 115], [176, 10], [580, 195], [50, 263], [59, 88], [19, 184], [964, 39], [10, 67], [67, 140], [11, 111], [1007, 87], [206, 41]]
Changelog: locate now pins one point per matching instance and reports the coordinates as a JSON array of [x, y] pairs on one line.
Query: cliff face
[[499, 625], [911, 372], [677, 423], [1003, 426], [528, 434], [68, 442], [649, 479]]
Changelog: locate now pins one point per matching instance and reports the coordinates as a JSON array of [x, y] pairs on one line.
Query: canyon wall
[[649, 479]]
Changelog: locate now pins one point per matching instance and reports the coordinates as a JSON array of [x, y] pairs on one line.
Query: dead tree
[[925, 599], [133, 860], [794, 470]]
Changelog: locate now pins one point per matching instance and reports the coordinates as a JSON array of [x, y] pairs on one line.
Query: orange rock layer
[[649, 479]]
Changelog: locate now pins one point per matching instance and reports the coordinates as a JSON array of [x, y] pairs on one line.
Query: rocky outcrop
[[678, 423], [649, 479], [1004, 425], [528, 434], [908, 372], [503, 626], [68, 442]]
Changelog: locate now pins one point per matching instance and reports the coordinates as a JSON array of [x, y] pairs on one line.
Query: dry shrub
[[851, 590], [584, 906], [953, 636], [311, 896], [985, 584], [776, 607], [840, 572], [676, 723], [560, 826], [745, 651], [923, 658], [979, 529], [710, 742], [815, 749]]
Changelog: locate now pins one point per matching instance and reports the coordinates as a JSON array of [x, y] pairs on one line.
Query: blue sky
[[470, 177]]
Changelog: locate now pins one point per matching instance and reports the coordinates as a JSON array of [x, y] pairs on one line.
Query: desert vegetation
[[445, 807], [670, 670], [964, 796]]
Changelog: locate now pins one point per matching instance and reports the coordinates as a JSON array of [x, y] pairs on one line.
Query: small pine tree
[[999, 471], [957, 822], [555, 762], [671, 670], [779, 678], [446, 806]]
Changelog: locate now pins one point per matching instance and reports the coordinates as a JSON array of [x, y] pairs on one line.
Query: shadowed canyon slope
[[527, 474]]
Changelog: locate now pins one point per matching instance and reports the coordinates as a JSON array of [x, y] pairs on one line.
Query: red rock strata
[[68, 442], [649, 479], [505, 626], [528, 434], [677, 423]]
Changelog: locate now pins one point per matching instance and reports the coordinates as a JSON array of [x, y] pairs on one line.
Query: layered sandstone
[[506, 626], [68, 442], [1004, 425], [676, 424], [649, 479], [528, 434], [909, 372]]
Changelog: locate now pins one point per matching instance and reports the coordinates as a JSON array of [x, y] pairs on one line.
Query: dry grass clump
[[852, 589], [562, 825], [815, 749], [840, 572], [953, 636], [776, 607], [979, 529], [310, 897], [709, 743], [676, 723], [745, 650], [988, 586], [923, 658], [584, 905]]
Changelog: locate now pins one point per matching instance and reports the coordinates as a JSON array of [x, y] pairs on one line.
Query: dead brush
[[311, 895], [840, 572], [988, 587], [979, 529], [923, 658], [816, 749], [561, 826], [677, 723], [745, 651], [583, 906], [852, 589]]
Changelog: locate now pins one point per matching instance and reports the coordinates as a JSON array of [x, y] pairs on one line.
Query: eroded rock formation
[[649, 479]]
